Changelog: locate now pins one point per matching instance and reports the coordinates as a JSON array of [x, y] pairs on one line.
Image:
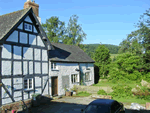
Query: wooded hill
[[90, 48]]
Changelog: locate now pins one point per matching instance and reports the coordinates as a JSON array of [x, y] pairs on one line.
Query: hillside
[[90, 48]]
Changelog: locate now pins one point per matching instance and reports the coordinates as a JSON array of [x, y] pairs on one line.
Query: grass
[[123, 100], [106, 83], [130, 100], [82, 93]]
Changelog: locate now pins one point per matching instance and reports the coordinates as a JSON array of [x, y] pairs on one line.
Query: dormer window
[[27, 27]]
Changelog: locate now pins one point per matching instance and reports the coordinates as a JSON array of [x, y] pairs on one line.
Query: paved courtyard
[[70, 105]]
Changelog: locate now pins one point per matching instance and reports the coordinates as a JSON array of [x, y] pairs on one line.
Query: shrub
[[101, 92], [142, 93], [121, 91]]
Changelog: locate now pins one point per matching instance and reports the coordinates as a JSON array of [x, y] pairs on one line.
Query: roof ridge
[[14, 12]]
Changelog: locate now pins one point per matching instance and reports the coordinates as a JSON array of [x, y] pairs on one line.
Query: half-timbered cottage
[[24, 66], [30, 64]]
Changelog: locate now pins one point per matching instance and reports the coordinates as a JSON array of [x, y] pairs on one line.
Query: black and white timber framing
[[24, 56]]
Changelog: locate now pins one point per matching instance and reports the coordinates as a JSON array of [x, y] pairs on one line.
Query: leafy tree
[[75, 34], [102, 59], [127, 67], [54, 28]]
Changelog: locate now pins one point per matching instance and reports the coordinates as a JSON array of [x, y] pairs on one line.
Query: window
[[53, 66], [28, 83], [74, 78], [27, 27], [87, 76], [115, 106]]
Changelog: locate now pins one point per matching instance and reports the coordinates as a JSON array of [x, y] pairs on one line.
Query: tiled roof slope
[[68, 53], [7, 21]]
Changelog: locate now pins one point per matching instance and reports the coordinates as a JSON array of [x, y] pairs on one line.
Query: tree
[[54, 28], [102, 60], [75, 34]]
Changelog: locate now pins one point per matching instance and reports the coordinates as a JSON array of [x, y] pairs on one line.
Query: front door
[[54, 86]]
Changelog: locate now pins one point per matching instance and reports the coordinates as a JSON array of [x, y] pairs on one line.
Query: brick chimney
[[34, 6]]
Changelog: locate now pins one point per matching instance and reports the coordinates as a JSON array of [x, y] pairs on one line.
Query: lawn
[[83, 93], [106, 83], [123, 100]]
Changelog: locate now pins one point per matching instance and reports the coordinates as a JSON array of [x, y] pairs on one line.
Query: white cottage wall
[[84, 70], [23, 54], [63, 70]]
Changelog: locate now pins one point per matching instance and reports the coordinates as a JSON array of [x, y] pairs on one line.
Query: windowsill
[[76, 83], [54, 70], [88, 80], [28, 90]]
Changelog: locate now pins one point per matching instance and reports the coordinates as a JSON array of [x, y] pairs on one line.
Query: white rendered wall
[[91, 70], [63, 70]]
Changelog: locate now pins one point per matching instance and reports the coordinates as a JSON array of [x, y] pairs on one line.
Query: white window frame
[[73, 80], [54, 66], [27, 26], [89, 79], [28, 84]]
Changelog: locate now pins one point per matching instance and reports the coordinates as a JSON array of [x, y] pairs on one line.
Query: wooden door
[[54, 86]]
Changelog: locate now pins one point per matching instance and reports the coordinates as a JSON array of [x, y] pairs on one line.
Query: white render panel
[[35, 31], [44, 68], [27, 19], [25, 68], [40, 42], [37, 54], [17, 93], [6, 51], [7, 83], [37, 81], [38, 90], [27, 53], [17, 52], [17, 68], [6, 101], [32, 39], [37, 68], [30, 67], [17, 80], [46, 88], [31, 93], [23, 37], [6, 67], [20, 26], [26, 96], [18, 98], [13, 37], [44, 55]]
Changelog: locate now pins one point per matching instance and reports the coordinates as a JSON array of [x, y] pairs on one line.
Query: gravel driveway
[[71, 105]]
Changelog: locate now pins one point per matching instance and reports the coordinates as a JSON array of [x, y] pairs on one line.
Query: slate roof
[[8, 21], [68, 53]]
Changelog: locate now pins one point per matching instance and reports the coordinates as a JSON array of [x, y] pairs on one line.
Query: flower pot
[[74, 93], [68, 93]]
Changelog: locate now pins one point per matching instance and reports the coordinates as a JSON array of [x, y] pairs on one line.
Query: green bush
[[142, 93], [121, 91], [101, 92]]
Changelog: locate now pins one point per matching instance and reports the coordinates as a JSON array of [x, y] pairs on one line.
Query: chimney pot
[[34, 6]]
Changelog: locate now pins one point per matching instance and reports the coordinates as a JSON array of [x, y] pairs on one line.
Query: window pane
[[51, 65], [54, 65], [30, 83], [76, 79], [72, 78]]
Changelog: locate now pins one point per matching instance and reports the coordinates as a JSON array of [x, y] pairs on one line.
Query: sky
[[104, 21]]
